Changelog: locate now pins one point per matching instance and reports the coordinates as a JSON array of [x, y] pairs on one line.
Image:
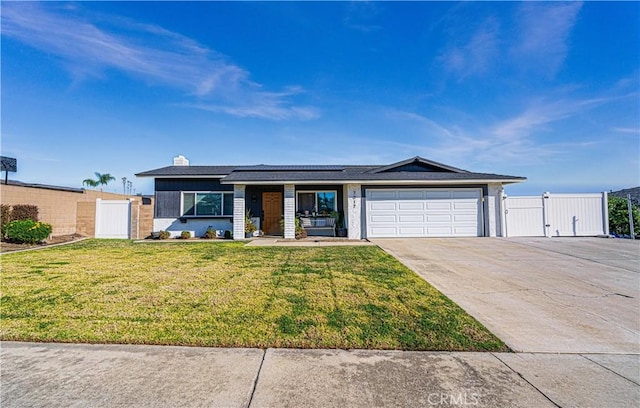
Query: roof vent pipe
[[180, 160]]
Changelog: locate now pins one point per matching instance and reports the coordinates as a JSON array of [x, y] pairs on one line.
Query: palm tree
[[103, 179], [90, 183]]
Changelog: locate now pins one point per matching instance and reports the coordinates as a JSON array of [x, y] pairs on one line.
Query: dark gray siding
[[197, 184], [167, 204]]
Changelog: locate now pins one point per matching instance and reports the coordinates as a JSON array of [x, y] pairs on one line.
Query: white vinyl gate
[[557, 215], [113, 218]]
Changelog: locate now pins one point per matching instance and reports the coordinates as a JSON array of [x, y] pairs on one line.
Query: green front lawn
[[226, 294]]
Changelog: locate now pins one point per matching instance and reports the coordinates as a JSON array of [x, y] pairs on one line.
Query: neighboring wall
[[73, 211]]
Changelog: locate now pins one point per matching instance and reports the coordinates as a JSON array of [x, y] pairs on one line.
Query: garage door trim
[[424, 212]]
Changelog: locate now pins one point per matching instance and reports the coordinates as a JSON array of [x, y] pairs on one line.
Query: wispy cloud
[[518, 139], [476, 55], [633, 131], [268, 105], [544, 31], [536, 40], [91, 47], [360, 16], [540, 113]]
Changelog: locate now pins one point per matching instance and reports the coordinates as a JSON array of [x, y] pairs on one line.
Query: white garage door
[[424, 212]]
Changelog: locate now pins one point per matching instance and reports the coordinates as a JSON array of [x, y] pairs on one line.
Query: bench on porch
[[319, 226]]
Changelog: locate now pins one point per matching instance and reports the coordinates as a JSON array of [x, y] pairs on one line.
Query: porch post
[[289, 211], [238, 211], [354, 204]]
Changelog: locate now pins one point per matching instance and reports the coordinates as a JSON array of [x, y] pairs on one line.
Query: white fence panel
[[558, 215], [524, 216], [574, 215], [113, 218]]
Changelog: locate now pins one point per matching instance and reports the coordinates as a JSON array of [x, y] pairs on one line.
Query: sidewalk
[[57, 375]]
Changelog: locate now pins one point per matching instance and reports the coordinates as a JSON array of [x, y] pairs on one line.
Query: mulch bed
[[60, 239]]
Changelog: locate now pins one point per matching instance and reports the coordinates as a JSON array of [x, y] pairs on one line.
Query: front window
[[207, 204], [316, 201]]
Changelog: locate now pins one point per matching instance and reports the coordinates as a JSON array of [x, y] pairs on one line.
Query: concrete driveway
[[558, 295]]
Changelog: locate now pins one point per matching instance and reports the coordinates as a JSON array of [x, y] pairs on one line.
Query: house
[[412, 198]]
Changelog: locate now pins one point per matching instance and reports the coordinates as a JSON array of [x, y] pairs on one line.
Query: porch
[[318, 208]]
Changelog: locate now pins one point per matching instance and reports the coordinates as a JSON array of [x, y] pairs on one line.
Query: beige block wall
[[71, 212], [86, 218], [145, 224]]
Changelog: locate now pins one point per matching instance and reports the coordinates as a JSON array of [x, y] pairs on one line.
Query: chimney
[[180, 160]]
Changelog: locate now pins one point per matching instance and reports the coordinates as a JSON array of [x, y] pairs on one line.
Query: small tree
[[619, 216], [104, 179], [90, 183]]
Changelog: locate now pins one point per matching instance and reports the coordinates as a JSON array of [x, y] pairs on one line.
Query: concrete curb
[[45, 246]]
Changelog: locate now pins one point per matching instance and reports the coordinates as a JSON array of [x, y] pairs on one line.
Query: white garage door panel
[[410, 195], [410, 206], [467, 204], [439, 231], [438, 206], [383, 195], [465, 194], [465, 218], [410, 231], [383, 205], [413, 218], [465, 231], [438, 194], [441, 218], [384, 218], [382, 232], [423, 212]]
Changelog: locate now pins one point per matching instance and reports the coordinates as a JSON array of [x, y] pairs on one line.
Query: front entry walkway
[[307, 242]]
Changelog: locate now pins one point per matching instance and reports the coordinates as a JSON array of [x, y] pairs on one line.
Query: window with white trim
[[207, 204], [318, 201]]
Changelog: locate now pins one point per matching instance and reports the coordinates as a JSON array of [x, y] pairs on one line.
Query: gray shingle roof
[[304, 167], [188, 171], [351, 175], [328, 173]]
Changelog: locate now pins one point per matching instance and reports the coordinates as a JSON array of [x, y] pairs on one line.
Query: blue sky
[[549, 91]]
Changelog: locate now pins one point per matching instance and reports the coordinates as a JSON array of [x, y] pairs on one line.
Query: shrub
[[619, 216], [300, 231], [24, 212], [164, 235], [5, 214], [185, 235], [249, 226], [209, 234], [5, 218], [27, 231]]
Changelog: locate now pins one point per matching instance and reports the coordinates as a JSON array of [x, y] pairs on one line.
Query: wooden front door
[[272, 213]]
